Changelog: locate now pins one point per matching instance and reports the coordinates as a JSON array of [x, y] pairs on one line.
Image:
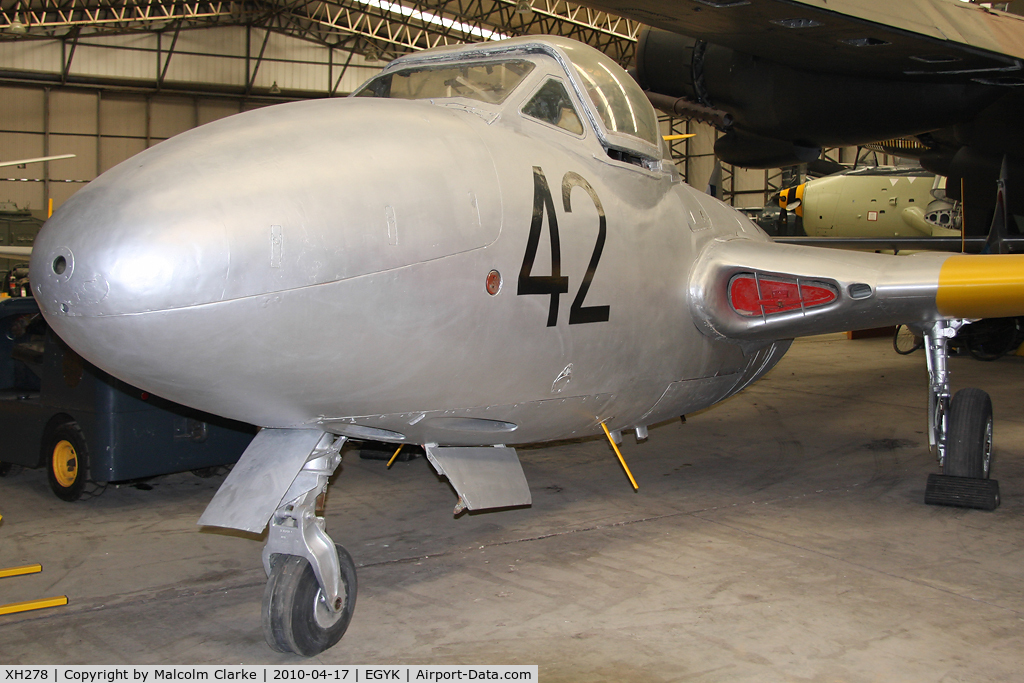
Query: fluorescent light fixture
[[434, 19]]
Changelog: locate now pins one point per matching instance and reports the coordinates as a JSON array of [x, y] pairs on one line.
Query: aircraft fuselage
[[305, 265]]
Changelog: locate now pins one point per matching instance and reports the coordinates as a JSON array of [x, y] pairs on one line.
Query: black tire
[[295, 617], [67, 461], [906, 342], [969, 435]]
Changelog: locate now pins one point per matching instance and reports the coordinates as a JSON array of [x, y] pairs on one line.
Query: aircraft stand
[[960, 431]]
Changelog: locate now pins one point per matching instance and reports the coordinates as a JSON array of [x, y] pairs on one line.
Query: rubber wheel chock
[[962, 492]]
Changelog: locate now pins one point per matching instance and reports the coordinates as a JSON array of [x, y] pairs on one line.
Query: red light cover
[[759, 296], [493, 282]]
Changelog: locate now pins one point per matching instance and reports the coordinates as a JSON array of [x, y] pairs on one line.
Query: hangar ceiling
[[376, 28], [139, 71]]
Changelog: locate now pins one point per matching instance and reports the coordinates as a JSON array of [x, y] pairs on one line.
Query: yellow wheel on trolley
[[67, 461]]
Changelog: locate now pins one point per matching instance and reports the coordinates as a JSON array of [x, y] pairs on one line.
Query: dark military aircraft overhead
[[537, 271], [788, 77]]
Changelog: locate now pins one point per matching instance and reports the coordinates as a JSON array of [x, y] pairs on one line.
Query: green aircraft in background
[[872, 202]]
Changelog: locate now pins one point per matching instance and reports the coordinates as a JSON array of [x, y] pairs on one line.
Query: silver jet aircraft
[[484, 246]]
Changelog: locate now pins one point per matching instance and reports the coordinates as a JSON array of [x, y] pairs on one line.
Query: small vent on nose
[[60, 264]]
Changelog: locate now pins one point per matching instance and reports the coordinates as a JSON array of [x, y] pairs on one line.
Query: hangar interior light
[[431, 18]]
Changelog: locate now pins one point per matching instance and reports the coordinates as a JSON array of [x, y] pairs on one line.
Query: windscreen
[[490, 81]]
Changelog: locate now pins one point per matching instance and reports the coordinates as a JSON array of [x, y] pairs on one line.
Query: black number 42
[[556, 283]]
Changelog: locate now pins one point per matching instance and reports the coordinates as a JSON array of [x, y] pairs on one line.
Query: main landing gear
[[960, 431], [311, 591]]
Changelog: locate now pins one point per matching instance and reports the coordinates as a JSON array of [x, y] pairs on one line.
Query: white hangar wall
[[101, 128], [228, 57], [107, 98]]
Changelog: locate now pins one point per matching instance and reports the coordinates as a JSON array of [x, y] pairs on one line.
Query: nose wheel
[[296, 614], [311, 585]]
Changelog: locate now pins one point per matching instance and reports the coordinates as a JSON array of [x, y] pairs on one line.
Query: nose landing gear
[[311, 587], [960, 431], [311, 590], [296, 614]]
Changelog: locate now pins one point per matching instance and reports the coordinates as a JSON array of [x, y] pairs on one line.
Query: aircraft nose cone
[[120, 246], [220, 222], [285, 197]]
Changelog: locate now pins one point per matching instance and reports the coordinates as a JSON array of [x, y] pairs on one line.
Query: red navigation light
[[757, 296], [493, 282]]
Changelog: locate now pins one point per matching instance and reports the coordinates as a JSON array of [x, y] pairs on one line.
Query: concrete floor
[[780, 536]]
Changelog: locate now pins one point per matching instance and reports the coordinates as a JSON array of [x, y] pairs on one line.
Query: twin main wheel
[[296, 617]]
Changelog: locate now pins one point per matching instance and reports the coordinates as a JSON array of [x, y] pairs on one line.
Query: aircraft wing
[[755, 291], [922, 38]]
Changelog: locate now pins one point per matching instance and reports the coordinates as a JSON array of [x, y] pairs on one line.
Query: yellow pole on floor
[[392, 460], [18, 571], [622, 460], [13, 607]]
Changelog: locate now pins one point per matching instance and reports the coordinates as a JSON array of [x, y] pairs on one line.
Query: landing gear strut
[[960, 431], [311, 591]]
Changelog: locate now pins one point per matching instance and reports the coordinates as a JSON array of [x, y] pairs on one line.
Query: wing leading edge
[[756, 291]]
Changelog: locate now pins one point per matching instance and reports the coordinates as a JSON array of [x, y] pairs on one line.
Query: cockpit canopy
[[616, 97], [486, 81], [614, 104]]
